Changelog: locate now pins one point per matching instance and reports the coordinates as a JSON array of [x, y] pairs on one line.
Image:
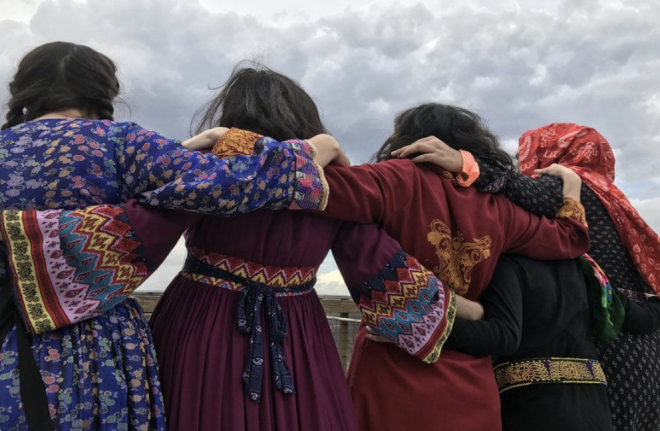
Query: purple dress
[[203, 353]]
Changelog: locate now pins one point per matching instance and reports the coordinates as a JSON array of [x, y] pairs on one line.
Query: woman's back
[[458, 233], [271, 238]]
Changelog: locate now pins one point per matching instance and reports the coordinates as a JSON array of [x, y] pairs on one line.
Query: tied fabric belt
[[252, 298], [515, 374], [32, 389]]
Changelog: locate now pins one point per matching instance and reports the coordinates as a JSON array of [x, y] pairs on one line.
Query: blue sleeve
[[160, 172]]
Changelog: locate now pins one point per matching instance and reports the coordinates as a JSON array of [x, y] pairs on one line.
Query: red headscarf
[[587, 153]]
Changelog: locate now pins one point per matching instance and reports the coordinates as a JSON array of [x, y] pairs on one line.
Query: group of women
[[91, 207]]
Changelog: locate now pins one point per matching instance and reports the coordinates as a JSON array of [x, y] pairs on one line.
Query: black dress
[[537, 315], [632, 361]]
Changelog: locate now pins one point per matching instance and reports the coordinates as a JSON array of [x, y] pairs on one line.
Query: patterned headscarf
[[587, 153]]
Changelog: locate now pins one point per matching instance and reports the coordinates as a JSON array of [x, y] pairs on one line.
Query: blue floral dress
[[90, 341]]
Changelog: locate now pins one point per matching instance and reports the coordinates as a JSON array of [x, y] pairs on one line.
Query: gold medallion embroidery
[[457, 257]]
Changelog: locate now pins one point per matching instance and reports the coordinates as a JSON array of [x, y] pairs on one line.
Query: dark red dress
[[459, 233]]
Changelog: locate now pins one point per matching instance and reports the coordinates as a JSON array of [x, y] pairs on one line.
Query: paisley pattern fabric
[[100, 373]]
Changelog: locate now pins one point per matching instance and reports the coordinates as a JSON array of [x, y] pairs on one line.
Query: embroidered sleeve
[[572, 209], [310, 189], [69, 266], [159, 172], [542, 196], [397, 297], [236, 141], [409, 306]]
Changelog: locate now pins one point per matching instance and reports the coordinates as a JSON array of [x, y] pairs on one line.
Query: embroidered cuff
[[69, 266], [236, 142], [406, 304], [470, 170], [572, 209], [311, 190], [33, 254]]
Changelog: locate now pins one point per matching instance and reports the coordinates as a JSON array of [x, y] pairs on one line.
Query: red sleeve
[[158, 229], [365, 193], [564, 237], [399, 298]]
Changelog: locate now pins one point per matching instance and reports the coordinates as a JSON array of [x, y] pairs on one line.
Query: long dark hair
[[62, 75], [457, 127], [263, 101]]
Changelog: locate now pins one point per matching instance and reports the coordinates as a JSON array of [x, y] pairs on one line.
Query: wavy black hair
[[261, 100], [62, 75], [457, 127]]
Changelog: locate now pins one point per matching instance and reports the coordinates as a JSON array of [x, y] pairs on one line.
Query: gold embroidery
[[510, 375], [457, 257], [572, 209], [234, 142]]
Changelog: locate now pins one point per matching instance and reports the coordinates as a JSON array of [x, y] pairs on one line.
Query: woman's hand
[[371, 335], [572, 181], [433, 150], [205, 140], [328, 151], [468, 310]]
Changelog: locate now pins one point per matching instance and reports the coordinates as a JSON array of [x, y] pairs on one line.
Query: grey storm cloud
[[585, 61], [590, 62]]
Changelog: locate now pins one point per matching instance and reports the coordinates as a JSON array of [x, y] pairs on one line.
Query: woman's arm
[[160, 172], [500, 331], [640, 317], [69, 266], [399, 299], [540, 196]]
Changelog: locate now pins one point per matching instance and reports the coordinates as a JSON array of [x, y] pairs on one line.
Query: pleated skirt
[[202, 356]]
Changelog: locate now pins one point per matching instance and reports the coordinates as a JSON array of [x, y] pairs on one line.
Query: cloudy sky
[[520, 64]]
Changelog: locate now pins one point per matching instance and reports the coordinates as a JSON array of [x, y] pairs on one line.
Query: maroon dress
[[202, 352]]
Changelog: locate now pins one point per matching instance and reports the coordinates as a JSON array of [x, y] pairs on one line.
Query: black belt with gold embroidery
[[533, 371], [251, 299]]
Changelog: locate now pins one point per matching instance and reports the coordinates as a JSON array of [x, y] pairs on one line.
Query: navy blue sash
[[252, 298]]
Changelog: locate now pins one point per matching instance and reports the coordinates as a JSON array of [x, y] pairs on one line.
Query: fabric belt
[[251, 299], [32, 389], [515, 374]]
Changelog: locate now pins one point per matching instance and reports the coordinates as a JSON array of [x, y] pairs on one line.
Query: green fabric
[[607, 312]]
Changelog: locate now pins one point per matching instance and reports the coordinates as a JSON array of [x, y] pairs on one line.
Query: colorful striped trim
[[311, 187], [516, 374], [406, 304], [33, 289], [274, 276]]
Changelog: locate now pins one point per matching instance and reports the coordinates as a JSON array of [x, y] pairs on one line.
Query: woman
[[235, 265], [90, 363], [621, 242], [298, 384], [541, 318], [457, 232]]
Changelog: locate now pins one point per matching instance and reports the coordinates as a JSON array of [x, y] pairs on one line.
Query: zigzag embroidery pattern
[[102, 246], [274, 276], [406, 304]]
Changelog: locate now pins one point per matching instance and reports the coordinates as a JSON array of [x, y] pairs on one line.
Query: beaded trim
[[516, 374]]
